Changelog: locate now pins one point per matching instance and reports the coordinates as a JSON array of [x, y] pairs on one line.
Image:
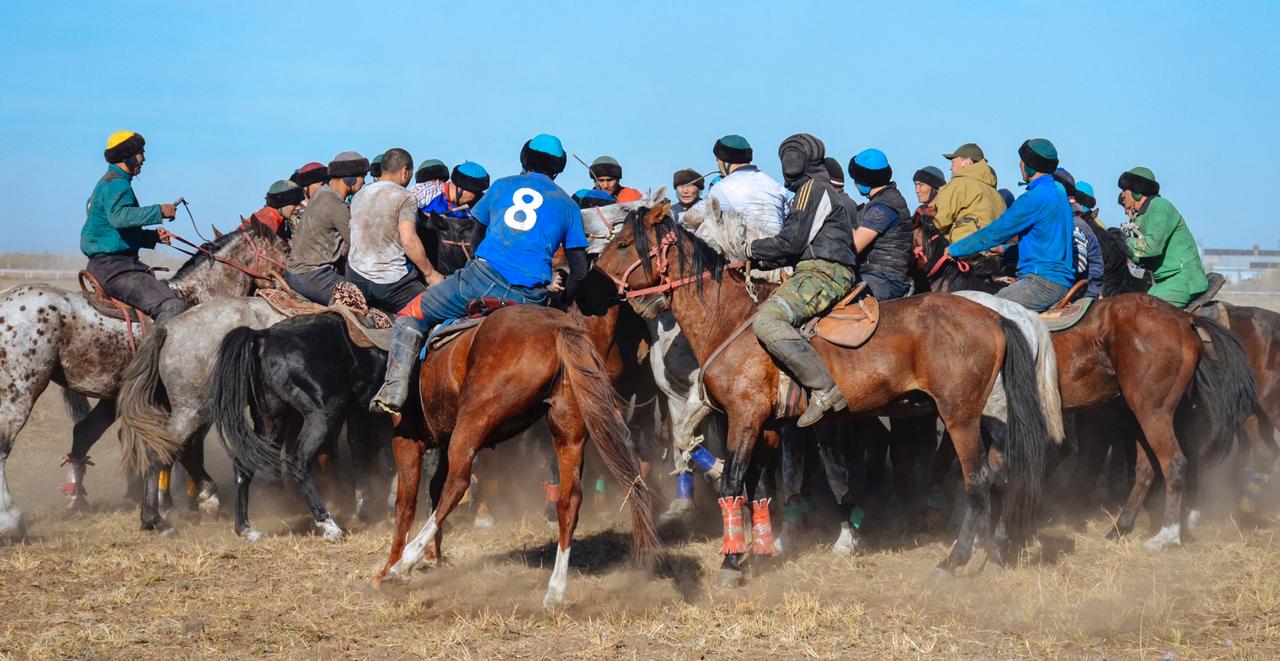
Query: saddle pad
[[1219, 311], [848, 324], [1067, 316], [447, 332], [358, 325]]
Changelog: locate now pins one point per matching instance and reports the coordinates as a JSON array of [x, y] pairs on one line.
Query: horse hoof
[[730, 578], [78, 505], [167, 531], [1114, 534], [677, 512], [1167, 537], [554, 598], [251, 536], [209, 506], [332, 532], [1193, 520], [483, 521]]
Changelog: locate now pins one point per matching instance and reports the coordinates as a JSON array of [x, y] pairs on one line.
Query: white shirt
[[376, 213], [759, 199]]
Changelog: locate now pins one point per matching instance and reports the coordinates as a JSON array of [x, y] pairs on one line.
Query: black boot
[[806, 366], [406, 340]]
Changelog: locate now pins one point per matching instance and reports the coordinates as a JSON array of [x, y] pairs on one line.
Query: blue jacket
[[1041, 219], [114, 222], [527, 218]]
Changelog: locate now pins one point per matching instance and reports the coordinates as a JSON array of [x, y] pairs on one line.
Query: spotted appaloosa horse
[[966, 346], [1141, 349], [48, 334]]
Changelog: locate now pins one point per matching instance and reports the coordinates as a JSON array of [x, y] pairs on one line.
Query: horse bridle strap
[[258, 256], [920, 256], [658, 255]]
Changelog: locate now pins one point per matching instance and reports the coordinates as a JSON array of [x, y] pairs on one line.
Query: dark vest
[[890, 253]]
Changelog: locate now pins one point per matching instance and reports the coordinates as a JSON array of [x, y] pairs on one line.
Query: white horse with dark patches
[[49, 334]]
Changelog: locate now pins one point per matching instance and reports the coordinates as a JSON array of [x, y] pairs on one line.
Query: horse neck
[[708, 320], [212, 279]]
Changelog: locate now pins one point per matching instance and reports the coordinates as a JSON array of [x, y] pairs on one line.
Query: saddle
[[371, 329], [452, 329], [848, 324], [97, 297], [1216, 281], [1069, 311]]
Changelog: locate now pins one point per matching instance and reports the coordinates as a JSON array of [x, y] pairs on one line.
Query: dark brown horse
[[1259, 334], [522, 364], [1144, 350], [946, 348]]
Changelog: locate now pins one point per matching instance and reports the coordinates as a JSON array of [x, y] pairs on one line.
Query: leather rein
[[662, 266], [922, 259], [259, 256]]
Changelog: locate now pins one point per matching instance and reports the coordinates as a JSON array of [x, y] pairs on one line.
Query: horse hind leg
[[568, 435], [84, 434], [319, 430]]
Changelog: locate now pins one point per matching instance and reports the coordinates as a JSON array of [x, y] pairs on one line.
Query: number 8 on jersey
[[526, 202]]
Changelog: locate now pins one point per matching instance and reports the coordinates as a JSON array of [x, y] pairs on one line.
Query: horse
[[53, 335], [975, 344], [1141, 349]]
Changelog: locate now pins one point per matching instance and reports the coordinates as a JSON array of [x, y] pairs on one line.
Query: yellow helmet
[[123, 145]]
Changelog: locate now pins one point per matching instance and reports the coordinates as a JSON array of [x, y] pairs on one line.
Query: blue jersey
[[527, 218]]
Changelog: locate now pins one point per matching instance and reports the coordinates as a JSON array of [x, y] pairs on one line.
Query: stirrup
[[387, 408]]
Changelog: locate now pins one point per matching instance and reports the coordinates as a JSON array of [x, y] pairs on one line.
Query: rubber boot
[[406, 340], [804, 364]]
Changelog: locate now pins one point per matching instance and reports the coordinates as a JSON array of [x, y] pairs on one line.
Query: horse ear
[[660, 194], [217, 233], [713, 207], [658, 213]]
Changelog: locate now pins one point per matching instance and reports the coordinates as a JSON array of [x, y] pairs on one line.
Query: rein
[[922, 258], [465, 245], [258, 256]]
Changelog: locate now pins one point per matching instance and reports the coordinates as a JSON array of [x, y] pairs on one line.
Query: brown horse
[[1144, 350], [944, 347], [522, 364]]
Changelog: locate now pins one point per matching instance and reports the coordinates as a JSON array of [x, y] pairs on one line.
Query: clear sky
[[232, 96]]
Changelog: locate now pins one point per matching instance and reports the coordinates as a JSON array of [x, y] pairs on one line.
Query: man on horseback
[[607, 173], [1160, 240], [387, 260], [445, 220], [745, 189], [816, 238], [521, 223], [319, 248], [882, 237], [1041, 219], [970, 201], [688, 184], [1088, 252], [310, 178], [114, 232], [284, 198]]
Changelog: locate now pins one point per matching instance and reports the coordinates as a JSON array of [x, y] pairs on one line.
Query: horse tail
[[144, 408], [235, 385], [1027, 446], [1047, 380], [77, 404], [1223, 388], [600, 407]]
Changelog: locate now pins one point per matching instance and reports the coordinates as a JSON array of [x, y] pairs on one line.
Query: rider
[[1088, 252], [1041, 219], [375, 166], [688, 185], [113, 232], [319, 247], [520, 224], [882, 237], [969, 202], [447, 216], [1160, 240], [607, 173], [283, 200], [744, 188], [835, 175], [387, 260], [591, 198], [310, 178], [429, 181], [816, 238]]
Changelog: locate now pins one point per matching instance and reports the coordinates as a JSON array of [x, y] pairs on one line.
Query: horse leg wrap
[[735, 540], [162, 480], [74, 483], [684, 485], [761, 528], [706, 462], [192, 488], [552, 491], [1251, 492]]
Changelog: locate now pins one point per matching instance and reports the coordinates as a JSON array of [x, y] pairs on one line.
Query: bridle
[[662, 267], [922, 259], [259, 256]]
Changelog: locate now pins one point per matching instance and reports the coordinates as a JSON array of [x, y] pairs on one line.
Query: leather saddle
[[1216, 281], [850, 323], [96, 296], [1068, 311], [451, 330]]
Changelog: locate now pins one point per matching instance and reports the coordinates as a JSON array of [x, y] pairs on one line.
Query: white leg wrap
[[558, 586], [416, 548]]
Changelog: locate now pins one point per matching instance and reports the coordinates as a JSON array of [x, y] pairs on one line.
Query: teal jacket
[[114, 223]]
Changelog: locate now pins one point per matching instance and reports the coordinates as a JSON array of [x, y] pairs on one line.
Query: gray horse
[[48, 334]]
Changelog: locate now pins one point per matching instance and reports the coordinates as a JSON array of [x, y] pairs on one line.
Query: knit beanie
[[835, 173]]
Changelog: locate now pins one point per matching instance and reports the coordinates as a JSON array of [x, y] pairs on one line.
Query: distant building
[[1238, 264]]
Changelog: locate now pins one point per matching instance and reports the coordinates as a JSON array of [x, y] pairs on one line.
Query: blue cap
[[872, 159], [547, 144], [473, 169], [1084, 190], [592, 194]]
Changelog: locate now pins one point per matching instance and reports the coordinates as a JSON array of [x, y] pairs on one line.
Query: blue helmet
[[543, 153], [870, 169]]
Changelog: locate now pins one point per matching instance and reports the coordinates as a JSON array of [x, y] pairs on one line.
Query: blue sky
[[232, 96]]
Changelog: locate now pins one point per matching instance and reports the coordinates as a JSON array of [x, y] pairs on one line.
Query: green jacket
[[1165, 247], [114, 223], [968, 203]]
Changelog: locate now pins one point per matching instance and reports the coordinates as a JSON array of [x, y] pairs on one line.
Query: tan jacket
[[968, 202]]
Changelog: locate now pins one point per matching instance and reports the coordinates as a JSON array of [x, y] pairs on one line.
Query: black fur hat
[[125, 149], [1140, 180], [348, 164]]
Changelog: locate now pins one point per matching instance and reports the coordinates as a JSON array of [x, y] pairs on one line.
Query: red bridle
[[258, 255], [922, 259], [662, 266]]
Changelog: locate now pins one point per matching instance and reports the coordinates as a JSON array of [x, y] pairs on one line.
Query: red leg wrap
[[735, 540], [761, 528], [552, 491]]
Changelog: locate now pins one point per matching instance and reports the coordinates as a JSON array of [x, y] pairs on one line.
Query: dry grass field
[[93, 586]]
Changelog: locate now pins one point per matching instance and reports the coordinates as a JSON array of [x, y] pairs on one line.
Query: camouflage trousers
[[816, 286]]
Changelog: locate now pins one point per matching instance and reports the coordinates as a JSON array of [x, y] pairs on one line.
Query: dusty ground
[[92, 585]]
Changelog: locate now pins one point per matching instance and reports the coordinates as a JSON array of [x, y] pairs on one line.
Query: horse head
[[602, 223], [629, 258], [233, 264]]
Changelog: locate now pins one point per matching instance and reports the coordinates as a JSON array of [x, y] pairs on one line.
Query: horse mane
[[695, 257], [217, 245]]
